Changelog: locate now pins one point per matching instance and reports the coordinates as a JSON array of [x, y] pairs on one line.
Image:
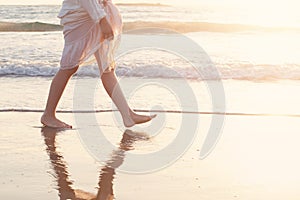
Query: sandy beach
[[255, 158], [247, 164]]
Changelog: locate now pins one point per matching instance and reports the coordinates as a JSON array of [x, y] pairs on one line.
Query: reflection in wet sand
[[65, 190], [107, 173]]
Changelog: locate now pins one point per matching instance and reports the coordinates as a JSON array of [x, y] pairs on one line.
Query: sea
[[239, 45], [204, 43]]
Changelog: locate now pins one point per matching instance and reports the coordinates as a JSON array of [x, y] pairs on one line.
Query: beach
[[255, 157]]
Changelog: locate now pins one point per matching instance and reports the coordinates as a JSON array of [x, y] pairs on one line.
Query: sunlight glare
[[273, 13]]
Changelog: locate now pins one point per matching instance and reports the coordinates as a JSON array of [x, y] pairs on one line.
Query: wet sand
[[256, 158]]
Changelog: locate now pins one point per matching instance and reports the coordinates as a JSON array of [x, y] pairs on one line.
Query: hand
[[104, 2], [106, 29]]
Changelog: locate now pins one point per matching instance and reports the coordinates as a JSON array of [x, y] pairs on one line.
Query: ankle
[[131, 112], [48, 114]]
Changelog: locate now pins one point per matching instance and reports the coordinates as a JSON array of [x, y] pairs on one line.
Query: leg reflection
[[59, 166], [107, 173]]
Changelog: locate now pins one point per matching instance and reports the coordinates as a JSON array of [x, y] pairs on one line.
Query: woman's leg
[[57, 87], [112, 87]]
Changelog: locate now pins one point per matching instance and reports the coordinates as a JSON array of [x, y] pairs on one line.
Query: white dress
[[83, 35]]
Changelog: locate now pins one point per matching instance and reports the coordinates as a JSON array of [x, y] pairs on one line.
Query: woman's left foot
[[53, 122]]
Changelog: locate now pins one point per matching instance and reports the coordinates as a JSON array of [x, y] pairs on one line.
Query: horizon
[[254, 4], [191, 3], [168, 2], [58, 2]]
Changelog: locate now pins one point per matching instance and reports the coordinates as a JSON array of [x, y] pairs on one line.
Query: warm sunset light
[[266, 12], [273, 13], [150, 99]]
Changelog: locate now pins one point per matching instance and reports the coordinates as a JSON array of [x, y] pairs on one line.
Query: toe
[[153, 116], [67, 126]]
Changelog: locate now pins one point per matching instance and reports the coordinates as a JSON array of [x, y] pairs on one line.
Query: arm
[[94, 9]]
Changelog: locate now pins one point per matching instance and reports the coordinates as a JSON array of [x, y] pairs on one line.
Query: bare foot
[[137, 119], [53, 122]]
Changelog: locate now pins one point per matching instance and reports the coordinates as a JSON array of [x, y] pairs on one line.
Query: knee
[[73, 70], [108, 73], [70, 72]]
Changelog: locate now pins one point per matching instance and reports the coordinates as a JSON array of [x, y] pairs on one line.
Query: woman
[[91, 28]]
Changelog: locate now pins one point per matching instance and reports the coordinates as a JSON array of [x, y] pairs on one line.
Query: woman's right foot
[[137, 119], [53, 122]]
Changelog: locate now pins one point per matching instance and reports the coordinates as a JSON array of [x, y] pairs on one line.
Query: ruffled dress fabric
[[84, 38]]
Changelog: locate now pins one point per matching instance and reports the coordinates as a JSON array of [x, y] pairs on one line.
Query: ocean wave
[[181, 27], [186, 27], [28, 27], [225, 71]]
